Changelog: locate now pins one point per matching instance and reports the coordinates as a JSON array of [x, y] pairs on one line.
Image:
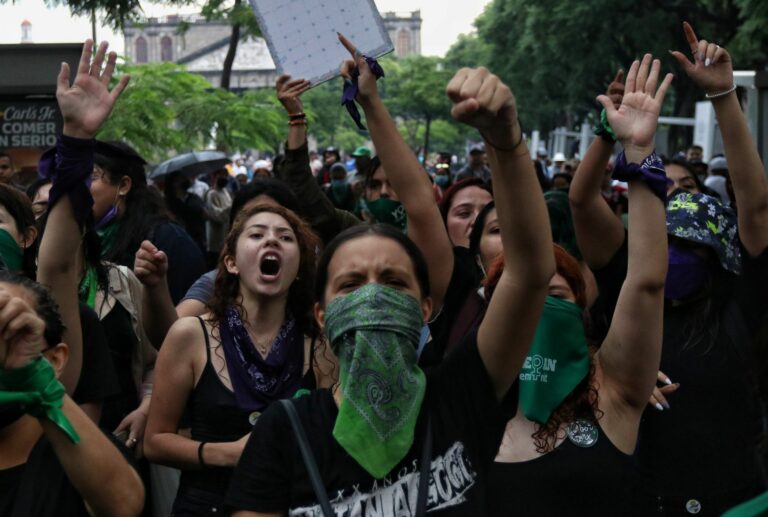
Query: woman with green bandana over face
[[569, 447], [390, 439]]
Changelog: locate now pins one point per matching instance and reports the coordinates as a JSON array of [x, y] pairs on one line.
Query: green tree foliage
[[329, 122], [167, 110], [558, 55]]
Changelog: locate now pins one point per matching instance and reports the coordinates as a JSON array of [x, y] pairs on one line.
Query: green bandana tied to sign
[[88, 287], [108, 236], [36, 388], [387, 211], [374, 332], [11, 252], [557, 362]]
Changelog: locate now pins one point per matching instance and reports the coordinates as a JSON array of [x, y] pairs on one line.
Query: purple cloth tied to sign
[[651, 171], [351, 88], [69, 166], [258, 381]]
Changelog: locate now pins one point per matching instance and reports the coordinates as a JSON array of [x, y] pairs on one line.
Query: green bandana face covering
[[11, 252], [558, 360], [374, 332], [88, 287], [387, 211]]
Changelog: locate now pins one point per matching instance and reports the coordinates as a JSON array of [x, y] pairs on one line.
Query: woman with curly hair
[[255, 346], [578, 412]]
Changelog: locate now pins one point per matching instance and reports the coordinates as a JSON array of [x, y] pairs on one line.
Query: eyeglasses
[[98, 173]]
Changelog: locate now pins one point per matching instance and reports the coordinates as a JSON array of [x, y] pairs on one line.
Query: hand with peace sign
[[87, 103], [635, 121], [712, 68]]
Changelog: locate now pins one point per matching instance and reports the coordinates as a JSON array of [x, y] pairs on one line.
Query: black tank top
[[584, 475], [214, 416]]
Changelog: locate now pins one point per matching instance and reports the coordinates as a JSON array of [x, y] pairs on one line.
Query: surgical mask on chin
[[688, 273], [442, 180]]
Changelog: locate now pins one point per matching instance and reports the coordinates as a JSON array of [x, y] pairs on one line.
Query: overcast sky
[[443, 21]]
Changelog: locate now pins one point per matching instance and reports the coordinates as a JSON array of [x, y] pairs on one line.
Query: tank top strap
[[207, 341]]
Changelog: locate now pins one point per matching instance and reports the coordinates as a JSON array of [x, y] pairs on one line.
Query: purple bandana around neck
[[351, 88], [259, 381]]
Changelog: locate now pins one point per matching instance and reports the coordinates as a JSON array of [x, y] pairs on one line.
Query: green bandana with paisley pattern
[[375, 332]]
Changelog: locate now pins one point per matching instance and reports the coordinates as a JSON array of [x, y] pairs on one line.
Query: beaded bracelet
[[721, 94]]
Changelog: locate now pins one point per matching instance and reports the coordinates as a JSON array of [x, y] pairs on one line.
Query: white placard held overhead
[[301, 34]]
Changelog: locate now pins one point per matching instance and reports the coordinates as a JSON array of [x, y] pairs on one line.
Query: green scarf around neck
[[108, 237], [557, 362], [375, 332], [11, 252]]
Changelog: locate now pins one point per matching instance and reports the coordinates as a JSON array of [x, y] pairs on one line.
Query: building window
[[141, 50], [403, 45], [166, 49]]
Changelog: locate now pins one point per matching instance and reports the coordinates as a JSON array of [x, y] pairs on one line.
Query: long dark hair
[[19, 207], [227, 286], [144, 206], [380, 230], [582, 402]]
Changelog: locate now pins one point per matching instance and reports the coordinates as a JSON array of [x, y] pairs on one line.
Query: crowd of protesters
[[309, 337]]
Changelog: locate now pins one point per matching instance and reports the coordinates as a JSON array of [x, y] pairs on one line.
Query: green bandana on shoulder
[[375, 332], [557, 362]]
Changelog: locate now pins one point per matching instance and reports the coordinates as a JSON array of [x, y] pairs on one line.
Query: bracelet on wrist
[[603, 128], [721, 94], [514, 146], [200, 454], [297, 122], [297, 116], [651, 171]]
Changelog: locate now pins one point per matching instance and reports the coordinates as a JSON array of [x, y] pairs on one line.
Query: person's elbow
[[123, 495]]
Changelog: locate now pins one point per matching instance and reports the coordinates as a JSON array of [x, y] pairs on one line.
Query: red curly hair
[[582, 401]]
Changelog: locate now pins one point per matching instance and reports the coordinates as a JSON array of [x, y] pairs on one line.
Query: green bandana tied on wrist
[[11, 252], [603, 128], [374, 332], [557, 362], [36, 387]]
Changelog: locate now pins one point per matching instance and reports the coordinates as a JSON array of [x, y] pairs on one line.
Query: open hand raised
[[711, 69], [481, 100], [87, 103], [289, 92], [635, 121]]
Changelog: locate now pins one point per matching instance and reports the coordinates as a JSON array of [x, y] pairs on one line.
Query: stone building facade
[[203, 46]]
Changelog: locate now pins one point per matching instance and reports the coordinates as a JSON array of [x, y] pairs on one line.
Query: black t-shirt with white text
[[467, 425]]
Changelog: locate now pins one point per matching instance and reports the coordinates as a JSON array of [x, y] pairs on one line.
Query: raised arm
[[151, 266], [629, 357], [505, 335], [85, 105], [408, 179], [325, 218], [712, 70], [599, 232]]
